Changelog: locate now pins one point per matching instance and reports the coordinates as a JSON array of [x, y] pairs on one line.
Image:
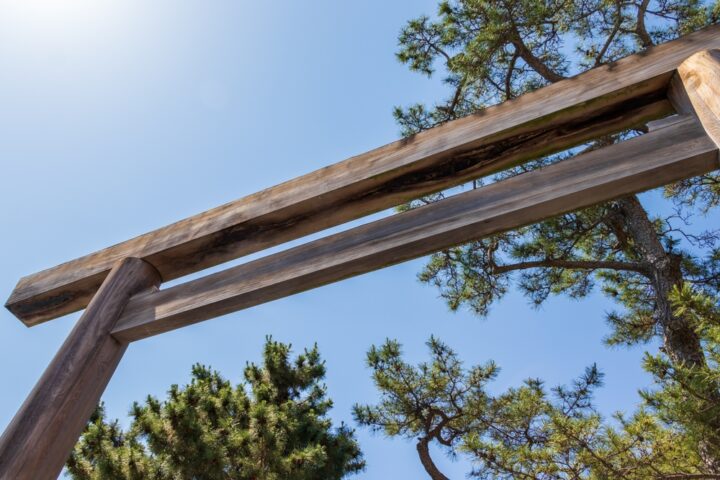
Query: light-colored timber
[[608, 98], [696, 89], [43, 432], [677, 151]]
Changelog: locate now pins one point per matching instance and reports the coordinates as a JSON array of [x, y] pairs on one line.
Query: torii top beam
[[606, 99]]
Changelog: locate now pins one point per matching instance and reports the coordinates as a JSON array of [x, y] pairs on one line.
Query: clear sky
[[120, 117]]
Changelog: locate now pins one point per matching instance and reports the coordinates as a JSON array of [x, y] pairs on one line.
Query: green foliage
[[525, 432], [436, 398], [661, 272], [210, 429], [489, 52], [688, 394], [492, 51]]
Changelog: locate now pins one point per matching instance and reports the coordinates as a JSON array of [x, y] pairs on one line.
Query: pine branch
[[640, 29], [529, 58], [611, 37]]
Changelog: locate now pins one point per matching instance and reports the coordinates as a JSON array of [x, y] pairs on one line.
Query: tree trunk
[[424, 452], [680, 340]]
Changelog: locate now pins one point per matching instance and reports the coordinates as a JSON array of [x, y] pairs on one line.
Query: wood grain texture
[[696, 88], [677, 151], [42, 434], [602, 100]]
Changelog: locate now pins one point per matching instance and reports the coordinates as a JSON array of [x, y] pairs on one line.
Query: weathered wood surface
[[42, 434], [605, 99], [677, 151], [696, 88]]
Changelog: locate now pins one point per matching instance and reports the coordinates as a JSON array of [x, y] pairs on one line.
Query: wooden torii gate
[[676, 86]]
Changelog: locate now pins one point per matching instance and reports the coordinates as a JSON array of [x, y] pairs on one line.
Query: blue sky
[[121, 117]]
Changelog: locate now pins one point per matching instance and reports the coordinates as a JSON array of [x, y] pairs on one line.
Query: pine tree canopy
[[527, 432], [661, 270], [273, 428]]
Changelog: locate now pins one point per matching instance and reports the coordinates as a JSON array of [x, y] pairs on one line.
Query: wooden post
[[43, 432], [695, 88]]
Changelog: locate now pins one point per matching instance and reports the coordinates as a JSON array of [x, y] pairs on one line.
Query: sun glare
[[57, 10], [68, 18]]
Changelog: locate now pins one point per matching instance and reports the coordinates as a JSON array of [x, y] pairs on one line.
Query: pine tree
[[493, 51], [210, 429], [527, 432]]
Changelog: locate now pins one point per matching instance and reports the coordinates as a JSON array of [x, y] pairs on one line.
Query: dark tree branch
[[427, 462], [535, 63], [450, 109], [640, 29], [611, 36], [509, 74]]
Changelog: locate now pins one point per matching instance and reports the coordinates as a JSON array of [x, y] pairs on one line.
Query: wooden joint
[[40, 437], [695, 89]]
